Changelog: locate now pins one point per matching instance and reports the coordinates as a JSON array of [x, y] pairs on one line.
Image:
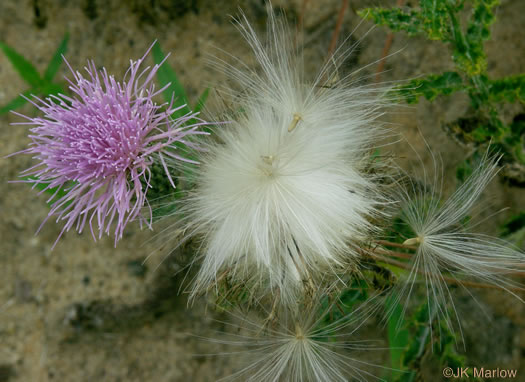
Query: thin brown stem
[[386, 49], [300, 18], [448, 279], [395, 245], [387, 252], [337, 30]]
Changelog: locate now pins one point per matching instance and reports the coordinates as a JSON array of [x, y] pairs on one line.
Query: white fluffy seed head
[[301, 346], [444, 245], [284, 192]]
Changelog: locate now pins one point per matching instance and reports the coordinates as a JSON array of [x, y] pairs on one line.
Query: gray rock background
[[90, 312]]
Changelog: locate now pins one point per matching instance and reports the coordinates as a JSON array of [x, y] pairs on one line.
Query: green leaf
[[435, 18], [514, 224], [42, 186], [395, 19], [50, 89], [166, 75], [202, 99], [343, 305], [509, 89], [398, 336], [15, 103], [418, 337], [514, 229], [430, 87], [56, 61], [481, 19], [26, 70]]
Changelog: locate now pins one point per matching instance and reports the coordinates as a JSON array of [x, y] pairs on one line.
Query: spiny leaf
[[56, 61], [446, 350], [435, 18], [430, 87], [395, 19], [26, 70], [481, 19], [509, 89]]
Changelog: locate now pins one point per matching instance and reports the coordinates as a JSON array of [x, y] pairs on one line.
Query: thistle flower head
[[284, 193], [98, 145]]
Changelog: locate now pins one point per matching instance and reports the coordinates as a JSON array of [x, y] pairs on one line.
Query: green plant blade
[[26, 70], [166, 75], [430, 87], [510, 89], [51, 88], [202, 100], [397, 337], [15, 103], [394, 18], [56, 61], [42, 186]]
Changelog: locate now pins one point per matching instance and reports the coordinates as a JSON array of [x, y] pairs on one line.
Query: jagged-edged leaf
[[430, 87], [394, 18], [480, 20], [509, 89], [435, 17]]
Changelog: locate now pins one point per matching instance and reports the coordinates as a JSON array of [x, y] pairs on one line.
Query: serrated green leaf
[[430, 87], [394, 18], [166, 75], [56, 60], [435, 18], [480, 20], [26, 70], [509, 89], [442, 20]]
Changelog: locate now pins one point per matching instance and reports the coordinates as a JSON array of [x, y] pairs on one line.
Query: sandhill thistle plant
[[95, 149], [290, 209]]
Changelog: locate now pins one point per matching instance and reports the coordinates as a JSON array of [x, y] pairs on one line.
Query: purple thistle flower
[[98, 146]]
